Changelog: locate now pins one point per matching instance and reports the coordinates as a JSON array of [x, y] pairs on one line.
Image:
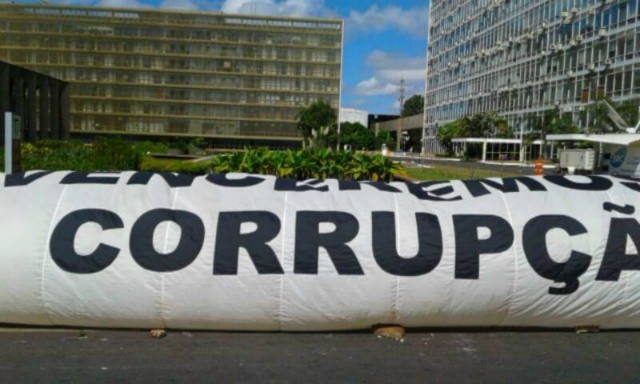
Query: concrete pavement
[[434, 357]]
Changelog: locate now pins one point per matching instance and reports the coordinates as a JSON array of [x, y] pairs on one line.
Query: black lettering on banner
[[224, 181], [292, 185], [173, 180], [419, 191], [229, 240], [469, 247], [535, 248], [597, 183], [309, 240], [21, 179], [623, 209], [429, 245], [63, 237], [351, 185], [443, 190], [632, 186], [478, 188], [89, 178], [616, 258], [189, 246]]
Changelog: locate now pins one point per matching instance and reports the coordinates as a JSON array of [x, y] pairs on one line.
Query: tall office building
[[522, 57], [236, 79]]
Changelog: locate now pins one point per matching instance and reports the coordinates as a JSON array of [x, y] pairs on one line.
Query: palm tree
[[529, 139], [601, 122], [551, 122], [600, 117], [629, 111]]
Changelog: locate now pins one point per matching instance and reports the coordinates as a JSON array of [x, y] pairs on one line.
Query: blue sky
[[379, 53], [385, 40]]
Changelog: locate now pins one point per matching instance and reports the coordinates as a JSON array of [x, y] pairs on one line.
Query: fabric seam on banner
[[625, 288], [395, 306], [166, 243], [284, 254], [44, 257], [507, 316]]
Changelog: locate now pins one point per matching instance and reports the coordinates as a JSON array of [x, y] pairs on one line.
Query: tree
[[413, 106], [316, 117], [385, 137], [484, 125], [550, 123], [629, 111], [447, 133], [480, 125], [502, 128], [599, 112], [415, 140], [357, 136]]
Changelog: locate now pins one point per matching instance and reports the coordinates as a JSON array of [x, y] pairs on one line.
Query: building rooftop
[[77, 10]]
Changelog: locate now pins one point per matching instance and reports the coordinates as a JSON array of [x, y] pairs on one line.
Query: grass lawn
[[439, 173]]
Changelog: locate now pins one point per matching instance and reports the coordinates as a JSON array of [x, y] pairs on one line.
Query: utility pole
[[402, 91]]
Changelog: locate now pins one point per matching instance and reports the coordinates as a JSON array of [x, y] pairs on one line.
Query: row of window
[[109, 31], [509, 46], [164, 65], [491, 74], [196, 127], [583, 90], [517, 17], [201, 95], [203, 19], [194, 52], [186, 110], [193, 81]]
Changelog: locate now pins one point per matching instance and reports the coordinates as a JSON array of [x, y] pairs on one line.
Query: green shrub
[[147, 147], [302, 165], [105, 154], [57, 156], [150, 164], [114, 154]]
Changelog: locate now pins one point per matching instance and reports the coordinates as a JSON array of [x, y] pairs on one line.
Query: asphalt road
[[424, 357]]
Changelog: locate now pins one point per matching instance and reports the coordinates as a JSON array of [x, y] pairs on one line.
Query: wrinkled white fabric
[[507, 291]]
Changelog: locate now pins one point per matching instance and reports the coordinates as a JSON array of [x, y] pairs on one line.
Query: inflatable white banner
[[241, 252]]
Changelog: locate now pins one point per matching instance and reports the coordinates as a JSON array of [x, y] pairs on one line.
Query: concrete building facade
[[523, 57], [236, 80], [41, 103]]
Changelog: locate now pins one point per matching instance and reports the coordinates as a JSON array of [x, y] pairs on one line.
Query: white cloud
[[276, 7], [389, 69], [377, 19], [374, 87], [188, 5], [122, 4]]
